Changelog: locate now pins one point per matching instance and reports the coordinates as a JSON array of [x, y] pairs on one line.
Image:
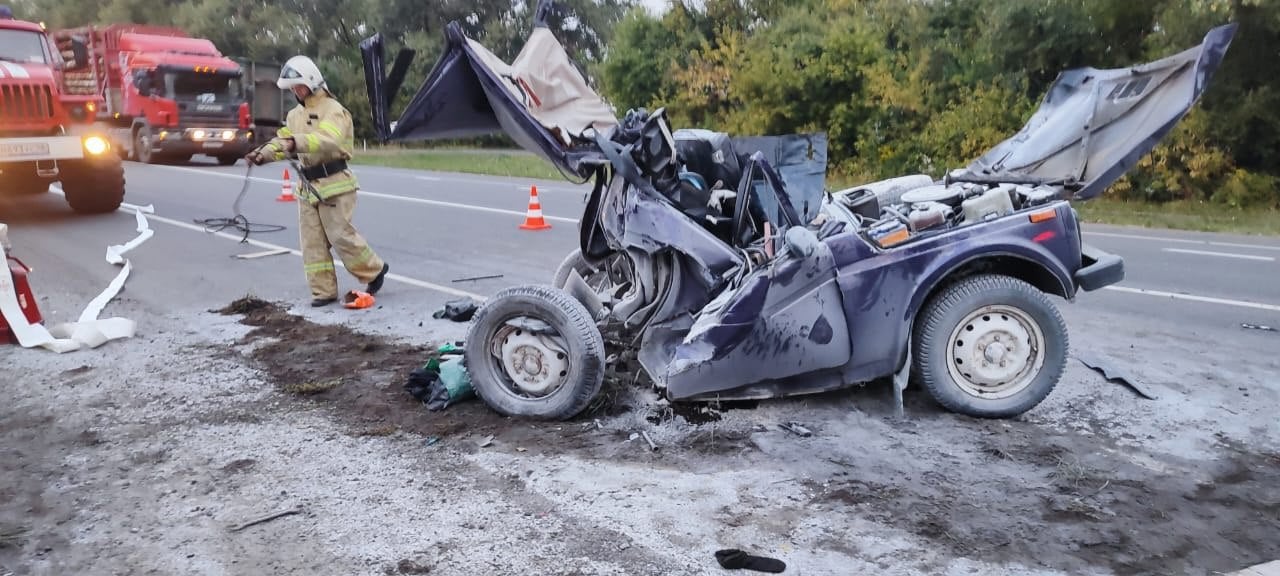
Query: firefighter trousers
[[327, 226]]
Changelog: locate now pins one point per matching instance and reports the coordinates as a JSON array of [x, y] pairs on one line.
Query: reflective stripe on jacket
[[322, 132]]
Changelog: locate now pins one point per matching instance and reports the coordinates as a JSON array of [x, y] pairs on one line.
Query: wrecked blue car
[[725, 268]]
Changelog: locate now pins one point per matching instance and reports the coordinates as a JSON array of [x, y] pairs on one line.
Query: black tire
[[142, 145], [583, 374], [571, 262], [228, 160], [93, 186], [993, 312]]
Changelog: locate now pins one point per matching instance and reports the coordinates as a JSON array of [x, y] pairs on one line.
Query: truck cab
[[168, 96], [47, 133]]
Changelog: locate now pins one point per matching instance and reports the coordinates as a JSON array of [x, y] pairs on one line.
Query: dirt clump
[[360, 379]]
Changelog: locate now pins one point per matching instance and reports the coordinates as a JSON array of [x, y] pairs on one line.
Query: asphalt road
[[436, 229]]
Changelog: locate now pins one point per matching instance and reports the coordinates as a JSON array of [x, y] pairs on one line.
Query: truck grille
[[25, 103]]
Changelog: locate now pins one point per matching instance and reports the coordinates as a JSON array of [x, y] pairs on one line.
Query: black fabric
[[460, 310], [733, 559], [321, 170]]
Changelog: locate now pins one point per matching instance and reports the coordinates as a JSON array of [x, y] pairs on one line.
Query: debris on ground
[[652, 446], [1247, 326], [266, 519], [263, 254], [460, 310], [441, 383], [407, 566], [476, 278], [797, 429], [733, 559], [1113, 374]]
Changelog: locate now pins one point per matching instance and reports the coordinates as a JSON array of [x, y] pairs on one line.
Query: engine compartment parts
[[993, 203], [926, 215], [889, 233]]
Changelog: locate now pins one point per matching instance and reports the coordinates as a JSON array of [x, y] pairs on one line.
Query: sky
[[655, 6]]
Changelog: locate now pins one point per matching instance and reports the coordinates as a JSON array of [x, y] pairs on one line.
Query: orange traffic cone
[[533, 219], [286, 189]]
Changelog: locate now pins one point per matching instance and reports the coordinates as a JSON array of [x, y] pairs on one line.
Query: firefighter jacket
[[323, 136]]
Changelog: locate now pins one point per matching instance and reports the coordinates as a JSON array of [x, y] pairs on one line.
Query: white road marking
[[276, 247], [1220, 254], [428, 178], [371, 194], [1194, 298], [1182, 241]]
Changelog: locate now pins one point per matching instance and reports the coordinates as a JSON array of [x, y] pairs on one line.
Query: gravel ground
[[144, 457]]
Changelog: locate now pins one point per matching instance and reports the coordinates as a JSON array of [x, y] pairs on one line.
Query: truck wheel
[[93, 186], [533, 351], [142, 145], [228, 160], [990, 346]]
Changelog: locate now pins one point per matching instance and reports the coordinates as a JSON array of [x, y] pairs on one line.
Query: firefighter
[[318, 132]]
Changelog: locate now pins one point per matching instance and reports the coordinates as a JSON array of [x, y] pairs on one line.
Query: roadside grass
[[513, 163], [1193, 216]]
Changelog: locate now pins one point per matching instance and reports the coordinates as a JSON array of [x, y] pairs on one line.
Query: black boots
[[376, 285]]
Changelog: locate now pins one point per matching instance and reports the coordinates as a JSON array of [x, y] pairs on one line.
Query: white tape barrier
[[89, 330]]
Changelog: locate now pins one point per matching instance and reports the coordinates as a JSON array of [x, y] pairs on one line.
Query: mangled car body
[[727, 270]]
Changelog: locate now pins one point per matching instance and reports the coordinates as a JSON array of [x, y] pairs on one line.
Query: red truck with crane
[[47, 134], [168, 96]]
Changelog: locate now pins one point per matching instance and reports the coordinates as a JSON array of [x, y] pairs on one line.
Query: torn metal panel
[[1095, 124], [1113, 374]]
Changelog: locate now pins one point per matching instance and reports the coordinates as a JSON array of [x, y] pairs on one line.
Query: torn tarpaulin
[[441, 382], [457, 310]]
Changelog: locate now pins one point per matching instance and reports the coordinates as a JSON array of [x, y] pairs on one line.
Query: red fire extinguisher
[[26, 299]]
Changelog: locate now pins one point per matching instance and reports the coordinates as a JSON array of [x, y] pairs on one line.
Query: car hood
[[26, 72], [1095, 124]]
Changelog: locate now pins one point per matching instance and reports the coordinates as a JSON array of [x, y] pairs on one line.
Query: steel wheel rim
[[533, 366], [995, 352]]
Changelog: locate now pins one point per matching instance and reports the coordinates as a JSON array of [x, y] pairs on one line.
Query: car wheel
[[533, 351], [990, 346]]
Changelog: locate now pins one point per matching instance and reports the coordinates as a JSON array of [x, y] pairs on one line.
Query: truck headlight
[[198, 135], [95, 145], [228, 134]]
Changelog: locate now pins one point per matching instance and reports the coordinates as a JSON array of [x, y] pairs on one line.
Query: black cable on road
[[239, 222]]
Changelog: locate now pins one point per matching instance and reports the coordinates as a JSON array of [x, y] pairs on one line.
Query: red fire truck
[[47, 134], [168, 96]]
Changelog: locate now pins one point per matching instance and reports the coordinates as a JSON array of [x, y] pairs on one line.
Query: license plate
[[212, 144], [24, 149]]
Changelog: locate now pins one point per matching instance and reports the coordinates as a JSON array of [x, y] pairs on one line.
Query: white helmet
[[300, 71]]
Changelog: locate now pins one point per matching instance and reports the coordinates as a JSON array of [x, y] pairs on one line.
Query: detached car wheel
[[535, 352], [990, 346]]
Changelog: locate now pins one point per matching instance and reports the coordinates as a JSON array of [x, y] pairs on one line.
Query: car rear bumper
[[1100, 269]]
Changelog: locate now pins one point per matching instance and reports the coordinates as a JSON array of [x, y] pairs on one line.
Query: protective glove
[[255, 157]]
